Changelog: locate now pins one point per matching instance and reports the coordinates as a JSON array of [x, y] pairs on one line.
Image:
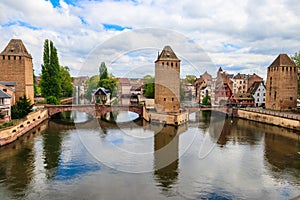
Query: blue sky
[[239, 35]]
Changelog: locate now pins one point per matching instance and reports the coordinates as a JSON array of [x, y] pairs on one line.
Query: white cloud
[[260, 29]]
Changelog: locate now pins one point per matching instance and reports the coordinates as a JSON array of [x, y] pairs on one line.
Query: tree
[[206, 100], [21, 108], [66, 82], [50, 78], [190, 79], [296, 59], [103, 71], [148, 86], [107, 81], [92, 83]]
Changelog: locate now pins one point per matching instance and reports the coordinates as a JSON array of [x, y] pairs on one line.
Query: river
[[133, 159]]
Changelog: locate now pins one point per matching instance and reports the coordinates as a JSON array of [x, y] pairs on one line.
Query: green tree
[[296, 59], [107, 81], [103, 71], [148, 86], [52, 100], [206, 100], [50, 78], [21, 108], [92, 83], [66, 82], [190, 79]]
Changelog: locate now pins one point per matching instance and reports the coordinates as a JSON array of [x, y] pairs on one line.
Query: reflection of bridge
[[94, 109]]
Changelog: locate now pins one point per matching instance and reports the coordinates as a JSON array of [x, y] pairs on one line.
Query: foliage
[[92, 83], [107, 81], [206, 100], [66, 82], [190, 79], [148, 86], [52, 100], [50, 78], [7, 124], [21, 108], [103, 71], [182, 93], [296, 59]]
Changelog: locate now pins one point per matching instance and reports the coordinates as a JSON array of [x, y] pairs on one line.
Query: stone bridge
[[94, 109]]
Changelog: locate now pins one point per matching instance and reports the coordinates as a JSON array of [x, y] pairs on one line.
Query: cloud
[[248, 34]]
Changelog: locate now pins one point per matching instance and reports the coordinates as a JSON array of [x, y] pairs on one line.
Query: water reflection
[[166, 151], [52, 144], [18, 163], [250, 160]]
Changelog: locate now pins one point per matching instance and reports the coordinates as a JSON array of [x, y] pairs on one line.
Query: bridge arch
[[94, 110]]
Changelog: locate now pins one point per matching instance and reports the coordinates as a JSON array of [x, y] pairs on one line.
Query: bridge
[[94, 109]]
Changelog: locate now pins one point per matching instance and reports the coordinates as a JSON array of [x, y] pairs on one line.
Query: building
[[124, 87], [242, 82], [258, 91], [243, 99], [101, 95], [167, 81], [203, 86], [282, 84], [16, 66], [5, 106]]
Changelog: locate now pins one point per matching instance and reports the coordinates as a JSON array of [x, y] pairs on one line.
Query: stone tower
[[282, 84], [167, 81], [16, 66]]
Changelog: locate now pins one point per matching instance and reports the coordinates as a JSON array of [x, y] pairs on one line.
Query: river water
[[208, 158]]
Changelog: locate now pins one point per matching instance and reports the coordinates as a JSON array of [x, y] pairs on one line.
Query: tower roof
[[283, 60], [15, 47], [167, 54]]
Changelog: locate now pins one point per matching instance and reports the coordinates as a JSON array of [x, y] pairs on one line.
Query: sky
[[241, 36]]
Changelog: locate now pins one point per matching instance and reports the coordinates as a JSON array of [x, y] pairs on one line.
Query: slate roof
[[15, 47], [102, 91], [282, 60], [167, 54], [4, 95], [254, 87]]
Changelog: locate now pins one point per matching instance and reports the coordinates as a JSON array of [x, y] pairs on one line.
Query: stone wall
[[286, 120], [10, 134]]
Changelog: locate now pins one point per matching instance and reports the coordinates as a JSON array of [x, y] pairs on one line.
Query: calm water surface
[[205, 159]]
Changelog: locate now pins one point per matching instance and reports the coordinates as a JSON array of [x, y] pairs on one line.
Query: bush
[[52, 100], [21, 108]]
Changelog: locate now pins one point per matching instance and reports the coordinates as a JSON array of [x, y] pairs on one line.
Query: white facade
[[260, 95]]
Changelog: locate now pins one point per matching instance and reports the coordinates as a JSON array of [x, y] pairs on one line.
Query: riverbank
[[12, 133], [282, 119]]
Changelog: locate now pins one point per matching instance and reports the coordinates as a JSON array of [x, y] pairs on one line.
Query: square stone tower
[[16, 66], [167, 82], [282, 84]]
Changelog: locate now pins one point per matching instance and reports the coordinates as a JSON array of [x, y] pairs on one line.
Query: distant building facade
[[167, 81], [282, 84], [258, 91], [16, 66]]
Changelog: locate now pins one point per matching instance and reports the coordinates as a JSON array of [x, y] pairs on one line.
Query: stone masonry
[[16, 66], [167, 82], [282, 84]]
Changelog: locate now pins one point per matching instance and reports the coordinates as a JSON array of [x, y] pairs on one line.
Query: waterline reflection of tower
[[166, 153]]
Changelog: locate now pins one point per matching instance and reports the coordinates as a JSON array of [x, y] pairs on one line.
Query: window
[[3, 57], [163, 64], [172, 99], [291, 98], [8, 57], [264, 99], [165, 99], [257, 99], [172, 65]]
